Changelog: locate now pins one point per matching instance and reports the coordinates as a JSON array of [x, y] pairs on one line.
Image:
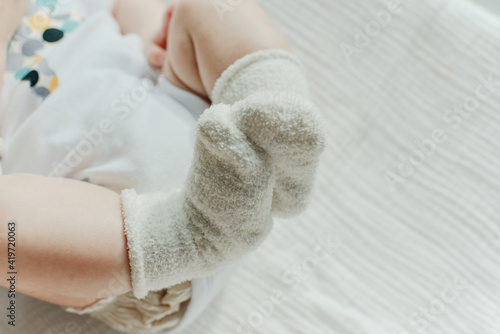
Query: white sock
[[254, 158]]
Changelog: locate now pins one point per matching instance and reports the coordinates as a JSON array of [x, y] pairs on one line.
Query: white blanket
[[366, 258]]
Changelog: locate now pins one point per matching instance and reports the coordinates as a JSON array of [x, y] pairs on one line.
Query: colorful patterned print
[[40, 29]]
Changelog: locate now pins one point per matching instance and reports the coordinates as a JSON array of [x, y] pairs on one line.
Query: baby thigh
[[212, 38], [66, 240]]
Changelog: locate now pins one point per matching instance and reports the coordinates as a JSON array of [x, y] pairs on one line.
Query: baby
[[166, 212]]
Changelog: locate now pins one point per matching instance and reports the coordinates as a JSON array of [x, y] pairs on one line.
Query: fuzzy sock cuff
[[261, 71]]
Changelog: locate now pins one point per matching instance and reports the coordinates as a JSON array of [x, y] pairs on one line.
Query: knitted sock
[[253, 158]]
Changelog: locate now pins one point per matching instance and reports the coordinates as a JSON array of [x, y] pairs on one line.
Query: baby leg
[[67, 242], [225, 209], [201, 44]]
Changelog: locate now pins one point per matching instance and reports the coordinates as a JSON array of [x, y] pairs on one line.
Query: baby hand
[[156, 50], [172, 39]]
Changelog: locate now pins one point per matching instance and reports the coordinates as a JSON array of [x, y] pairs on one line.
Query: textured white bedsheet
[[428, 251]]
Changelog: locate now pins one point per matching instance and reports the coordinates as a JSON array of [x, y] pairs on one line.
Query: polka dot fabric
[[40, 29]]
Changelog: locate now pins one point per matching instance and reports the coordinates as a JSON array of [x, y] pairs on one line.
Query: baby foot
[[287, 127]]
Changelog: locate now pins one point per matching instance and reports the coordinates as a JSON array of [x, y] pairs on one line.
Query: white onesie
[[79, 101]]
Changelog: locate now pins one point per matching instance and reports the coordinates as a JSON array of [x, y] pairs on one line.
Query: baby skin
[[195, 45], [73, 242]]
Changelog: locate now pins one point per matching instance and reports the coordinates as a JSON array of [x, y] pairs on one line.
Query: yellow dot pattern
[[41, 30], [39, 21], [53, 84], [37, 59]]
